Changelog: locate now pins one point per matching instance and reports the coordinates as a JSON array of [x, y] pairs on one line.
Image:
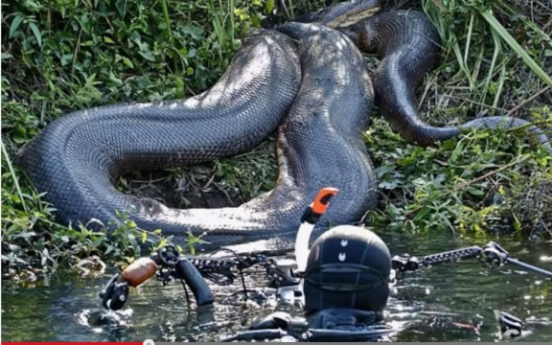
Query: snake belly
[[306, 78]]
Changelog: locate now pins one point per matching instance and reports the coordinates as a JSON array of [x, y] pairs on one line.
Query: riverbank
[[59, 59]]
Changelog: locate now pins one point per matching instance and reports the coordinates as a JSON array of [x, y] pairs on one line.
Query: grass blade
[[14, 177], [495, 24]]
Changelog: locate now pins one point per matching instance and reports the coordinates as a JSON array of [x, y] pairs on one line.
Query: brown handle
[[139, 272]]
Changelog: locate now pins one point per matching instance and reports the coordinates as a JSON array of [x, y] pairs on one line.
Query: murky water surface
[[451, 302]]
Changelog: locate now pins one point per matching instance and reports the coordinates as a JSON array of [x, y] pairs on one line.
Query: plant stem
[[14, 176]]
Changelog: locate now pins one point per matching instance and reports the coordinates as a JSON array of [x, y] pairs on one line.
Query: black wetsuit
[[336, 324]]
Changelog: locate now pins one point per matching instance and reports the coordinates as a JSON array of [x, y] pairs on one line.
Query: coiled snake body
[[306, 80]]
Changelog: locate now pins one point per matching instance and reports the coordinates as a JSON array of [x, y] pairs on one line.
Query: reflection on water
[[450, 302]]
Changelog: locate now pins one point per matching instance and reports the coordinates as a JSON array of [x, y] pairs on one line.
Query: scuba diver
[[345, 278], [342, 281], [345, 288]]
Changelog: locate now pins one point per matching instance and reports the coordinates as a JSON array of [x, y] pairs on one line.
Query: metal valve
[[405, 263], [510, 325], [493, 256]]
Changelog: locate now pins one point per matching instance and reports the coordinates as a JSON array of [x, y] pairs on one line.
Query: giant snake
[[305, 79]]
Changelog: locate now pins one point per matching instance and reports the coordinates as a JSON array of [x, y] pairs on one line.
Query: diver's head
[[348, 267]]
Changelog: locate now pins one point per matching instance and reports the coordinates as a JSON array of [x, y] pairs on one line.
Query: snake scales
[[305, 79]]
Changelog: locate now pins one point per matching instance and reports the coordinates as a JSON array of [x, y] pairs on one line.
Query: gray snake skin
[[307, 81]]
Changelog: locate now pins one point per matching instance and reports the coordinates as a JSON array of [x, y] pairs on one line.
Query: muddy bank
[[187, 191]]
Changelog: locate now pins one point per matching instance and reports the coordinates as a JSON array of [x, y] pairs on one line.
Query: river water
[[450, 302]]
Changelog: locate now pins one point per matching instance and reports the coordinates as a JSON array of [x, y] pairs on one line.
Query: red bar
[[69, 342]]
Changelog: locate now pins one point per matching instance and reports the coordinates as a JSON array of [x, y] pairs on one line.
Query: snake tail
[[409, 45]]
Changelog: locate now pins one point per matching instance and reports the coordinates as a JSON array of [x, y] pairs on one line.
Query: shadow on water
[[451, 302]]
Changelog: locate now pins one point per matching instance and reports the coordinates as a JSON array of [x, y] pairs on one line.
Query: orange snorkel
[[309, 219]]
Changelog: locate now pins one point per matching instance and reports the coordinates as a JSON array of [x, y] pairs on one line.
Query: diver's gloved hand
[[276, 320], [274, 326], [283, 321], [101, 317]]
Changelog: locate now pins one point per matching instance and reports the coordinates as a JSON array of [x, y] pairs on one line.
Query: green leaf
[[384, 169], [269, 5], [66, 58], [193, 31], [449, 145], [121, 7], [19, 134], [422, 213], [15, 24], [256, 21], [476, 192], [388, 185], [27, 234], [147, 54], [89, 82], [162, 243], [118, 82], [179, 83], [108, 40], [36, 32], [127, 62]]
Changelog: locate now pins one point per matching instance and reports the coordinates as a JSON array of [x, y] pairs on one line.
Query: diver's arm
[[278, 320], [274, 326]]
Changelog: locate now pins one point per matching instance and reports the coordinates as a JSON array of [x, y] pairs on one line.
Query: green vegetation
[[60, 55]]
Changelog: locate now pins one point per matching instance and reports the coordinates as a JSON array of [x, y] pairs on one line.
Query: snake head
[[342, 14]]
